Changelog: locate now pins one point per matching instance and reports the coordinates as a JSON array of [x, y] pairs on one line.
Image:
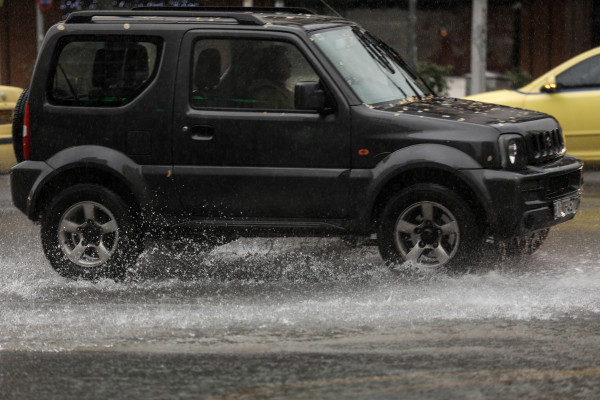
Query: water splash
[[293, 289]]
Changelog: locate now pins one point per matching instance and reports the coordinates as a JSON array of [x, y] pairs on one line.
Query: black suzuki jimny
[[228, 122]]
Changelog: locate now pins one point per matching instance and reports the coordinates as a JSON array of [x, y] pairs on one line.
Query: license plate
[[565, 207]]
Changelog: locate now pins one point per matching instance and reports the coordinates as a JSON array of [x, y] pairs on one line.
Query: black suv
[[228, 122]]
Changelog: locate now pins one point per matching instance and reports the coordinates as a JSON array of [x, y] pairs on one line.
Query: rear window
[[103, 71]]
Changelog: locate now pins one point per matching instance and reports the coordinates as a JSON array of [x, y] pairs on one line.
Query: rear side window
[[103, 71]]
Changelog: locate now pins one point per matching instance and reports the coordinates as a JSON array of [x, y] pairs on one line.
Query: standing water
[[256, 292]]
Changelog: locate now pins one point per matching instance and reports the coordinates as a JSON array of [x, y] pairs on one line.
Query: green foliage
[[435, 75], [518, 78]]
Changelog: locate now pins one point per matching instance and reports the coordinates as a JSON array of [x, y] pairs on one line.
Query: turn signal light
[[363, 152]]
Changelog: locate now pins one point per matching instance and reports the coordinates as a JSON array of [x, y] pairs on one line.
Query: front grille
[[6, 116], [562, 184], [545, 145]]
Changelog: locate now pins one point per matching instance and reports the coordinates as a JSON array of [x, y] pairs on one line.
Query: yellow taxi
[[8, 99], [571, 93]]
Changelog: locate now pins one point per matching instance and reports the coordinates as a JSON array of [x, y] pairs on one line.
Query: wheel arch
[[78, 174], [423, 163], [433, 174]]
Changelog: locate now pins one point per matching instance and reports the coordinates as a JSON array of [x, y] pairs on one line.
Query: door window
[[247, 73], [583, 75]]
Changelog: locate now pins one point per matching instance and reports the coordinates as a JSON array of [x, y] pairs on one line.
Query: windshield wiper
[[416, 92], [405, 66], [378, 49], [375, 52], [71, 88]]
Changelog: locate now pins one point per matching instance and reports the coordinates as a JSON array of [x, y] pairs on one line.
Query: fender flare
[[110, 161], [422, 156]]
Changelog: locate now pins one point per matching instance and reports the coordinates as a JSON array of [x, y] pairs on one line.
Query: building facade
[[532, 35]]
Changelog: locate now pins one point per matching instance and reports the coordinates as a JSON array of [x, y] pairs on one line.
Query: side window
[[103, 72], [247, 73], [585, 74]]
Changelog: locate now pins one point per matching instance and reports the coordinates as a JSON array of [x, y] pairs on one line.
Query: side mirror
[[550, 87], [309, 96]]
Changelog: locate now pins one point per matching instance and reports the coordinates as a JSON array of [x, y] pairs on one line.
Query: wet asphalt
[[303, 319]]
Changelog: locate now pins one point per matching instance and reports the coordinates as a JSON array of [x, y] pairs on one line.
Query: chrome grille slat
[[545, 145]]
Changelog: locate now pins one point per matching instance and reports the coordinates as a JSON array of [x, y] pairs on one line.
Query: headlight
[[514, 152]]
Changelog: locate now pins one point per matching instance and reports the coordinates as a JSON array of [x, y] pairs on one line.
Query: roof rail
[[80, 17], [286, 10]]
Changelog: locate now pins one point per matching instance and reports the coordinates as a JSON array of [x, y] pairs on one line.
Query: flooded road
[[302, 318]]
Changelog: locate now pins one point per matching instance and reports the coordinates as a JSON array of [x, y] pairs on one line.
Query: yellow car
[[570, 93], [8, 99]]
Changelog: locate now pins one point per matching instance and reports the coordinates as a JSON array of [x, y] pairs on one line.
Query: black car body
[[152, 113]]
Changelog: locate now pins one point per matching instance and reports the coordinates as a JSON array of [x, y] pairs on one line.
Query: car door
[[575, 104], [240, 148]]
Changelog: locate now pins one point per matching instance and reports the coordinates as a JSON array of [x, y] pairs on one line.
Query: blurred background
[[460, 47], [524, 38]]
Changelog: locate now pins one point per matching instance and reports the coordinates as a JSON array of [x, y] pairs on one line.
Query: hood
[[462, 110]]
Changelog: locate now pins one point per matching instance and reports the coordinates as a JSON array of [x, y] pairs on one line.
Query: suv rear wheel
[[429, 226], [89, 232]]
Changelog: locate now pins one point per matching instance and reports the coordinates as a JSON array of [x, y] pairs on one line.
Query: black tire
[[17, 125], [89, 232], [429, 225]]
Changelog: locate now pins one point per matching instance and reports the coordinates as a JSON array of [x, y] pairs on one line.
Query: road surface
[[302, 319]]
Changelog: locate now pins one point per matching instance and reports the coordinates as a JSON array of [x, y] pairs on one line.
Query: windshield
[[371, 68]]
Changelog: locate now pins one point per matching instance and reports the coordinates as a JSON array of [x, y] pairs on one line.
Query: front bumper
[[520, 202]]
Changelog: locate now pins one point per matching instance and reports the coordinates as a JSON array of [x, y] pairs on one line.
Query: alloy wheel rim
[[427, 234], [88, 234]]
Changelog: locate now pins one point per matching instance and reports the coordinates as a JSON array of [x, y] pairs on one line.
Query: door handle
[[200, 132]]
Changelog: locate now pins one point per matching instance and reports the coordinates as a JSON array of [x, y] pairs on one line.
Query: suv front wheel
[[89, 232], [429, 226]]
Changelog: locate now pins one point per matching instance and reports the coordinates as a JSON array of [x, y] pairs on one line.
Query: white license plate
[[565, 207]]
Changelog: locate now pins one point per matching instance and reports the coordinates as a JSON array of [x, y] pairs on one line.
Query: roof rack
[[286, 10], [243, 15]]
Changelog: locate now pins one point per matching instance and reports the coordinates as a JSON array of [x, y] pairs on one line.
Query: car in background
[[8, 99], [571, 93]]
